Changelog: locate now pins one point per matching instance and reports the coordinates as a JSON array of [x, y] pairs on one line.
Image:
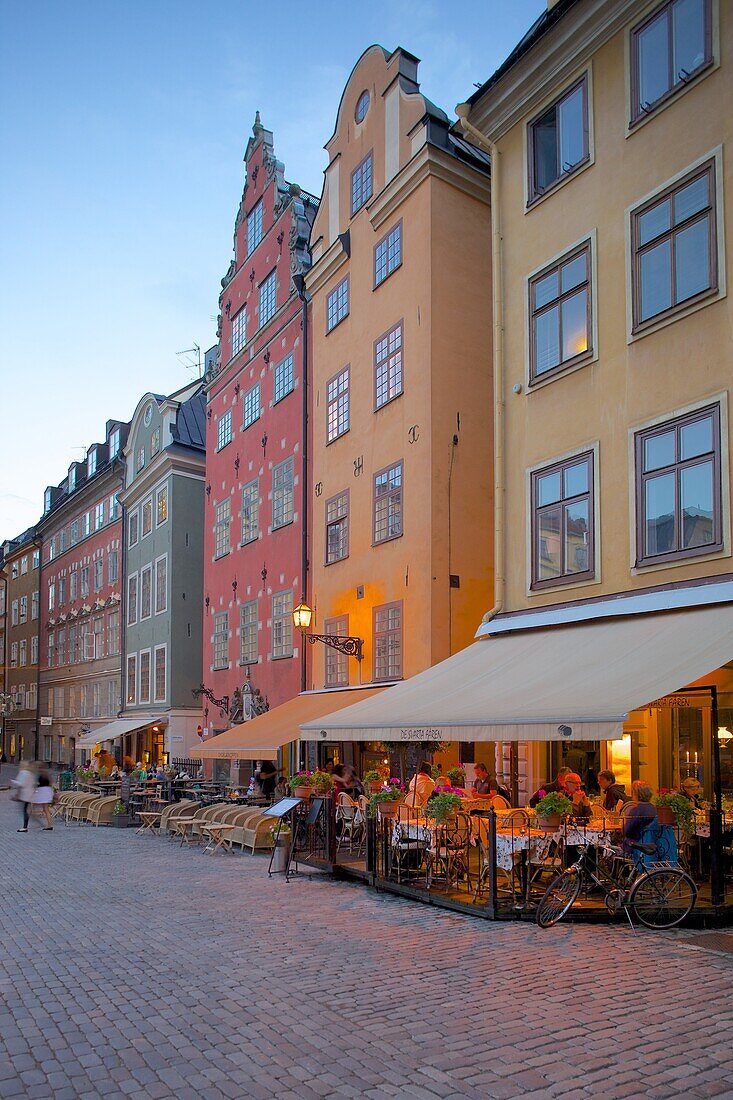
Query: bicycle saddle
[[646, 849]]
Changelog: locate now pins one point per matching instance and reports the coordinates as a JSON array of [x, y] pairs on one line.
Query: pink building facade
[[255, 522]]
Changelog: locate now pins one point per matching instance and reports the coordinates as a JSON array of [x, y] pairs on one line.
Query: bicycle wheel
[[663, 897], [558, 898]]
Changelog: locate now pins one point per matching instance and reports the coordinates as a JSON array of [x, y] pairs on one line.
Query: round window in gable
[[362, 106], [148, 415]]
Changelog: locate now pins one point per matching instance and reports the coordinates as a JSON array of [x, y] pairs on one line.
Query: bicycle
[[661, 895]]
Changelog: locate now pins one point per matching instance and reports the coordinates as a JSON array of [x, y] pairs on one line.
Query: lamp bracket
[[351, 646]]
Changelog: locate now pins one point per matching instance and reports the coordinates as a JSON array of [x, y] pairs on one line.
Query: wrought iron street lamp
[[351, 646]]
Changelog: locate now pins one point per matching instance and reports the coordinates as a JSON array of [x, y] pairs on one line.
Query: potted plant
[[442, 808], [551, 809], [321, 782], [373, 781], [300, 784], [120, 816], [673, 808], [457, 776], [386, 801]]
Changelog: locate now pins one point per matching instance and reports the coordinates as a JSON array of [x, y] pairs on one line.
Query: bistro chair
[[410, 843], [349, 823], [447, 857]]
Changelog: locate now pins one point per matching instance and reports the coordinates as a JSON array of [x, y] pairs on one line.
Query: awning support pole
[[717, 869], [492, 905]]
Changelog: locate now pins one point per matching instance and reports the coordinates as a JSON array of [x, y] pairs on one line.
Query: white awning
[[118, 728], [576, 682]]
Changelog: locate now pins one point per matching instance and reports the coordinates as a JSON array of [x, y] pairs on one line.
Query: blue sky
[[122, 130]]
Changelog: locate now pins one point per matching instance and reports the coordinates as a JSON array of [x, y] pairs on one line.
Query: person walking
[[43, 796], [25, 785]]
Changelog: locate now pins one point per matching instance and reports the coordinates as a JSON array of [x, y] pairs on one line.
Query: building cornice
[[329, 264], [554, 59], [174, 459]]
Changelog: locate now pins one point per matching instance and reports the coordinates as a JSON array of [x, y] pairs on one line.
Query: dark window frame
[[386, 634], [534, 194], [565, 577], [368, 159], [342, 519], [335, 664], [397, 227], [637, 112], [376, 365], [389, 492], [708, 167], [334, 401], [556, 265], [333, 294], [640, 477], [241, 314]]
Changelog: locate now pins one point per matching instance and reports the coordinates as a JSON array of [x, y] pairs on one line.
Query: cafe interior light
[[724, 735]]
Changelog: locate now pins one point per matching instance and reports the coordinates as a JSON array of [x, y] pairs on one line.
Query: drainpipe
[[497, 284], [299, 282], [38, 543]]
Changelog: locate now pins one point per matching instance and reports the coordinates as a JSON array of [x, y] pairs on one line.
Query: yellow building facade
[[611, 137], [400, 411]]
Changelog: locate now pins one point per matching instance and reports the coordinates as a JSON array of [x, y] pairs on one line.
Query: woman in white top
[[25, 785], [421, 787]]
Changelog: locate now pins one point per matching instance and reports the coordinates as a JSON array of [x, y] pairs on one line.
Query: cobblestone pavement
[[132, 968]]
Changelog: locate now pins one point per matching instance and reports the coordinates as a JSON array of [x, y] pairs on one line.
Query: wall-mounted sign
[[47, 721], [681, 702]]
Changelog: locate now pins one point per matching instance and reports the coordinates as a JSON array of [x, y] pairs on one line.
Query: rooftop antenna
[[191, 359]]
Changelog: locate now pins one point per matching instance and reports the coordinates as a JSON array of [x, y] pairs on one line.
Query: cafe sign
[[680, 701]]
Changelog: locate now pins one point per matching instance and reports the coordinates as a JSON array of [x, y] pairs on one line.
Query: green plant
[[322, 781], [300, 779], [457, 776], [372, 776], [442, 806], [554, 803], [680, 806], [393, 793], [434, 771], [119, 808]]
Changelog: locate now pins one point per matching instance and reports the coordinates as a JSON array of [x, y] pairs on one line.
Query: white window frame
[[147, 570], [156, 697], [142, 695], [132, 604]]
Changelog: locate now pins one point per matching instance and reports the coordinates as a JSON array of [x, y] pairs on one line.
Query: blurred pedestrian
[[25, 785], [43, 796]]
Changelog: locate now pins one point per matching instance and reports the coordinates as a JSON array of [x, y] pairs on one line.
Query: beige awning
[[261, 737], [111, 730], [564, 682]]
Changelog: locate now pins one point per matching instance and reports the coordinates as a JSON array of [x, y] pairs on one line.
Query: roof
[[190, 427], [538, 30]]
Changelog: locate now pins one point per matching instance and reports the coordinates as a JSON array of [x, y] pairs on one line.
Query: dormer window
[[72, 477], [47, 501], [114, 443], [91, 461]]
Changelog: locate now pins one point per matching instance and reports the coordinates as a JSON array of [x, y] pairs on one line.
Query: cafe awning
[[118, 728], [261, 737], [567, 682]]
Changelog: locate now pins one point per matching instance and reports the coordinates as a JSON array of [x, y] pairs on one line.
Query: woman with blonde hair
[[25, 785]]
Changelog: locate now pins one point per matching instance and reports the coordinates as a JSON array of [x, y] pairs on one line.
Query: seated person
[[484, 784], [421, 787], [641, 826], [691, 789], [352, 784], [547, 787], [614, 794], [573, 788]]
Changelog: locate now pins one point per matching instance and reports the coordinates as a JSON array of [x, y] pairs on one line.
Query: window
[[47, 500], [73, 584], [154, 442], [337, 304], [284, 381], [84, 581], [362, 106], [14, 613], [113, 633], [72, 478], [91, 461], [145, 676], [74, 532], [51, 650], [361, 184], [251, 404], [248, 628], [388, 503], [675, 259], [147, 513], [34, 648], [558, 140], [388, 641], [224, 430], [251, 511], [87, 641], [47, 748], [562, 522], [14, 652], [23, 660], [560, 312], [282, 624], [161, 585], [337, 405], [36, 558], [14, 570], [62, 591], [254, 227], [23, 609], [114, 443], [24, 565], [132, 599], [98, 627], [51, 596], [146, 592], [73, 653], [98, 574], [113, 696], [337, 664], [84, 702], [337, 527], [35, 603], [99, 516], [52, 549], [388, 366], [283, 479], [140, 458], [161, 508], [132, 528], [388, 254], [223, 513], [62, 540], [239, 331], [87, 524], [678, 488], [268, 296], [112, 567], [131, 678], [667, 50], [114, 507], [160, 674], [221, 639]]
